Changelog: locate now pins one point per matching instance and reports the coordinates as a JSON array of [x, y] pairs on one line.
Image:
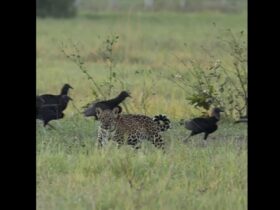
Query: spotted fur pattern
[[129, 129]]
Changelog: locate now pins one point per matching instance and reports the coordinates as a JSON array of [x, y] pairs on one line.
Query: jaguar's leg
[[102, 137], [133, 140], [158, 141]]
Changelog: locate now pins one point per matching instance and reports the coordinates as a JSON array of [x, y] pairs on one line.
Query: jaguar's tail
[[162, 121]]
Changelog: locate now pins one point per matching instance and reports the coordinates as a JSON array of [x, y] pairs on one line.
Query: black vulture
[[48, 112], [108, 104], [39, 103], [55, 99], [204, 125]]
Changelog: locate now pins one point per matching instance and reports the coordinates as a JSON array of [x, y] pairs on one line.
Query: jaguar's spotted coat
[[129, 128]]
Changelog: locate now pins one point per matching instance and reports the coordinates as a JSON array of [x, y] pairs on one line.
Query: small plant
[[147, 90], [79, 61], [106, 52], [216, 84], [100, 89]]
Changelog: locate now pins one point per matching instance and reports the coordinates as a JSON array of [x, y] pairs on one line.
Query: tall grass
[[72, 173]]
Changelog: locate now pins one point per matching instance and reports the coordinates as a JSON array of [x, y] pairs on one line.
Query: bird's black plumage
[[205, 125], [48, 112], [39, 103], [108, 104], [55, 99]]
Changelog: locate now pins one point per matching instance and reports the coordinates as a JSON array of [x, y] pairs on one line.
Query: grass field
[[73, 174]]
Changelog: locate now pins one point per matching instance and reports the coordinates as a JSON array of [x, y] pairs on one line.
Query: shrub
[[217, 85]]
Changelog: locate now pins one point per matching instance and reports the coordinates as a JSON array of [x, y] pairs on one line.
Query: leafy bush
[[218, 85]]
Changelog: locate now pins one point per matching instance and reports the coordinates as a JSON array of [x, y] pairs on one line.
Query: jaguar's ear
[[98, 111], [116, 112]]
